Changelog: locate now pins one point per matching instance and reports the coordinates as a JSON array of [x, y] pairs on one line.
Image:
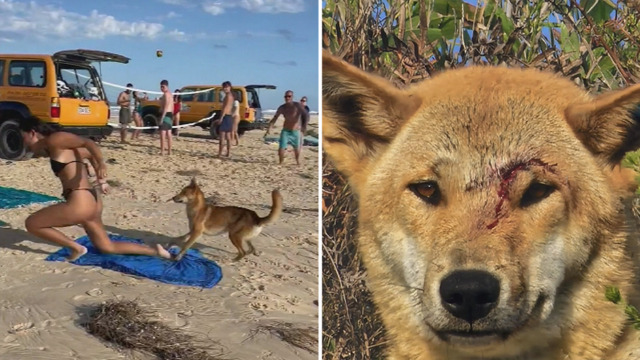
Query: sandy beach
[[42, 303]]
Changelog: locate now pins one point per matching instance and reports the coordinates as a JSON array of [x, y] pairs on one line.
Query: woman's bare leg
[[162, 142], [136, 132], [42, 223], [234, 134], [176, 122], [228, 137], [98, 236]]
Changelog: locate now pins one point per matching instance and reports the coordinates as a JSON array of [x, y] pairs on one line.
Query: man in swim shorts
[[124, 100], [166, 120], [226, 125], [295, 119]]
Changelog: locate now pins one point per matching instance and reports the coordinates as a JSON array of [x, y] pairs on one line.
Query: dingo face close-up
[[491, 210]]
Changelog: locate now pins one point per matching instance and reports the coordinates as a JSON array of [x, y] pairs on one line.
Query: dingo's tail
[[276, 209]]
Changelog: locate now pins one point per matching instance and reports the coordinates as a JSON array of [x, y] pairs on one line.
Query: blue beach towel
[[12, 198], [192, 270]]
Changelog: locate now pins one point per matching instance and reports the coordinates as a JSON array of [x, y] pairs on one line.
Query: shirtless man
[[124, 100], [295, 121], [166, 120], [226, 123]]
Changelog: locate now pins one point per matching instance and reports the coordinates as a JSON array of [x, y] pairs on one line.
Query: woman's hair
[[33, 123]]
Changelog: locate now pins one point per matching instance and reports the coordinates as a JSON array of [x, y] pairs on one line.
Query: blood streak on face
[[508, 177]]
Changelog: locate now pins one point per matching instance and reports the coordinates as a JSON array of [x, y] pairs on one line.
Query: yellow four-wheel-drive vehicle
[[206, 103], [62, 88]]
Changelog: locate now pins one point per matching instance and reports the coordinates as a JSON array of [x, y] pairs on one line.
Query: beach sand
[[42, 303]]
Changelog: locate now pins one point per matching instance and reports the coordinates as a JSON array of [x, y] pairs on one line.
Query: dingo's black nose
[[469, 294]]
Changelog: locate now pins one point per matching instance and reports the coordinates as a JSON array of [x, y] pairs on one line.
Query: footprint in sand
[[293, 300], [94, 292], [258, 306], [181, 321], [64, 285], [20, 327], [10, 338]]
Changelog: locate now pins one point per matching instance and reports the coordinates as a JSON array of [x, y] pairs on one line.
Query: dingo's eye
[[427, 191], [535, 193]]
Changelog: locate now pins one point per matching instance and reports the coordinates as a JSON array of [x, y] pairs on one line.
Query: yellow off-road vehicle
[[62, 88], [204, 104]]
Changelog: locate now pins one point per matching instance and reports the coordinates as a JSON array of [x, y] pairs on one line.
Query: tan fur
[[241, 224], [488, 137]]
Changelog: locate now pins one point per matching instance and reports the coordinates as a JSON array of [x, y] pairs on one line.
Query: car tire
[[149, 120], [11, 144]]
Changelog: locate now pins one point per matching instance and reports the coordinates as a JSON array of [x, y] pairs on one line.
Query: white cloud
[[177, 35], [175, 2], [260, 6], [273, 6], [22, 20], [214, 8]]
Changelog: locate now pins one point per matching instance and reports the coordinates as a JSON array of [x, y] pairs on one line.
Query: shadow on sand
[[11, 239]]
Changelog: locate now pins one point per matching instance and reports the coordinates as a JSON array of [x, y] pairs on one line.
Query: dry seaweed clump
[[303, 338], [126, 324], [351, 327]]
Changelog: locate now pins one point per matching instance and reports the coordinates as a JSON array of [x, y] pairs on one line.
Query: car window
[[27, 73], [78, 82], [252, 98], [1, 72], [188, 97], [201, 97]]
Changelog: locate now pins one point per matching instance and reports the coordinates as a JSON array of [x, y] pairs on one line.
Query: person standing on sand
[[235, 109], [124, 100], [136, 114], [226, 122], [166, 119], [82, 205], [295, 120], [177, 106], [303, 102]]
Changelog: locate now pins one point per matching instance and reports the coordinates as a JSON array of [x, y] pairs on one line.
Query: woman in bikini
[[177, 106], [83, 204]]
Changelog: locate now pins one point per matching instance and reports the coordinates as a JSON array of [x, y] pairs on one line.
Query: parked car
[[204, 104], [63, 88]]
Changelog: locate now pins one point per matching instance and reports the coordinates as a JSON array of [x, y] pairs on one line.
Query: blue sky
[[203, 41]]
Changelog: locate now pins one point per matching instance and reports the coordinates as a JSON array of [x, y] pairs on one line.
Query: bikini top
[[58, 166]]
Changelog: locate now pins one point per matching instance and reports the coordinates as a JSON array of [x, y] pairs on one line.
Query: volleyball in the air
[[159, 53]]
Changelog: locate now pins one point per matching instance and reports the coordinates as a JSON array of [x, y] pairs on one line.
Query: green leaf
[[598, 10], [507, 24], [447, 7], [448, 28], [433, 34], [632, 312], [570, 43], [612, 294]]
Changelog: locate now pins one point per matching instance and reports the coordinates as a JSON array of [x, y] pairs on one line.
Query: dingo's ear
[[361, 114], [609, 124], [193, 181]]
